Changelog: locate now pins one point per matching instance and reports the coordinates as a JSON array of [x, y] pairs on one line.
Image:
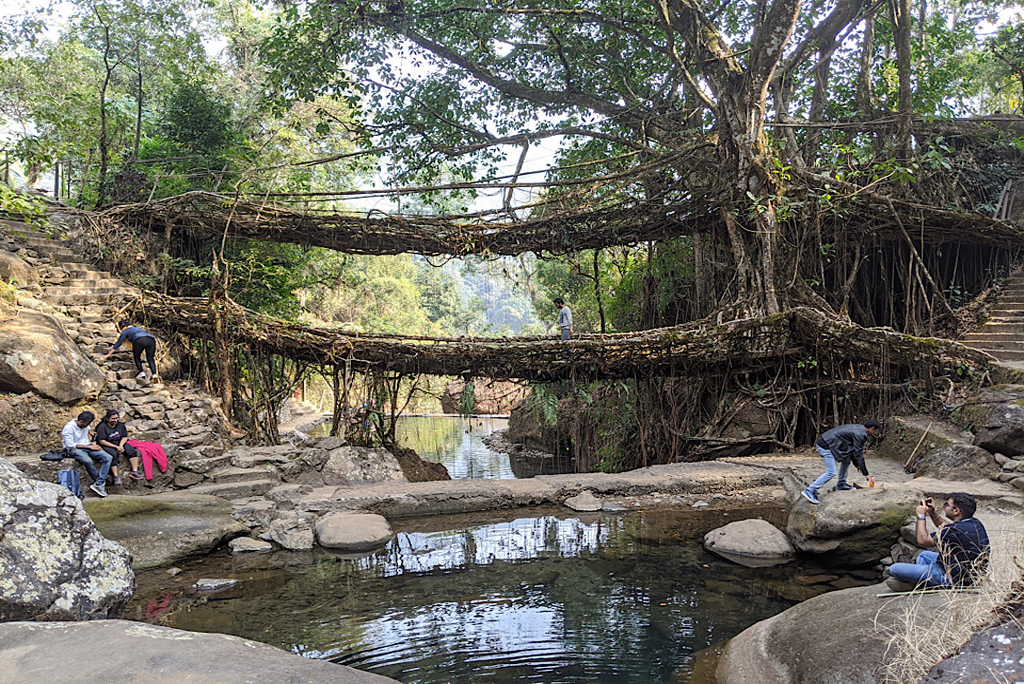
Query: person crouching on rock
[[112, 435], [141, 341], [961, 542], [842, 445], [77, 439]]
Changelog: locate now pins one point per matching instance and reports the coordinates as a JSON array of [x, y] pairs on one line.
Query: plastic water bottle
[[871, 480]]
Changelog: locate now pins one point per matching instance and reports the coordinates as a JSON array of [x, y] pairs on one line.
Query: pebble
[[215, 584], [699, 504]]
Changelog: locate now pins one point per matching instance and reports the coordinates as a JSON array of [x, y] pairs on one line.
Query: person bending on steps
[[961, 544], [76, 437], [842, 445], [141, 341]]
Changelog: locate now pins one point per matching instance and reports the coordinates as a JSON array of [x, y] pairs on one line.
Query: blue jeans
[[87, 457], [830, 471], [926, 571]]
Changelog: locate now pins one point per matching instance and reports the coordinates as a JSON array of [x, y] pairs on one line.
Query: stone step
[[63, 256], [91, 283], [85, 271], [73, 296], [986, 335], [999, 328], [253, 461], [235, 490], [233, 474], [204, 464], [1003, 355], [40, 242], [1009, 344]]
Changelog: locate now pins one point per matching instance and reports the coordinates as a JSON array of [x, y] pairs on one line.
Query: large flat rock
[[463, 496], [105, 651], [837, 638], [162, 529]]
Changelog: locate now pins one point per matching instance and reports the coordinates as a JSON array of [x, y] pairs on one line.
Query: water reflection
[[457, 443], [543, 599]]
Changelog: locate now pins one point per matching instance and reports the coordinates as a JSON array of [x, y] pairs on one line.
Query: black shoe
[[844, 487]]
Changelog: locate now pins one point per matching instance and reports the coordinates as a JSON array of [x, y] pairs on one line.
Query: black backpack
[[53, 455]]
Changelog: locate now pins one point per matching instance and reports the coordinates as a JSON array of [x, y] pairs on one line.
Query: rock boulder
[[752, 543], [1003, 432], [37, 355], [353, 532], [61, 653], [14, 270], [351, 465], [958, 462], [852, 528], [161, 529], [837, 638], [54, 563]]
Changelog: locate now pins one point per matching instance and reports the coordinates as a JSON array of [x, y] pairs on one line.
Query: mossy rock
[[162, 529], [904, 433]]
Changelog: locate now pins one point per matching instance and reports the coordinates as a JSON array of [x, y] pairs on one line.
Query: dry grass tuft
[[918, 639]]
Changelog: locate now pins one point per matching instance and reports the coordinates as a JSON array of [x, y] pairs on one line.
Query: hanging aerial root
[[738, 346]]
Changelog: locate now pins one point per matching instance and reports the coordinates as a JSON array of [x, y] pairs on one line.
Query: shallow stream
[[545, 596]]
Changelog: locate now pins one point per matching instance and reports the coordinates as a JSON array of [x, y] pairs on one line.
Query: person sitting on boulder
[[961, 542], [112, 435], [77, 440], [842, 444], [140, 341]]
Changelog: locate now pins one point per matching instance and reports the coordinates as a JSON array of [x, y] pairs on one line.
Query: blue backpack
[[71, 480]]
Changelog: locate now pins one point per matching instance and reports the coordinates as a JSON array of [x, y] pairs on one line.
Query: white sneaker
[[99, 488], [141, 376]]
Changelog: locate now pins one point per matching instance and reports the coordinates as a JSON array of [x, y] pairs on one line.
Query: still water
[[456, 443], [555, 598]]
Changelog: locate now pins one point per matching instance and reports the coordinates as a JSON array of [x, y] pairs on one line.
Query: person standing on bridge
[[842, 444], [564, 319]]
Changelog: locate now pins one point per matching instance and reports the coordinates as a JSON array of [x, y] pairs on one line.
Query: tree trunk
[[900, 12]]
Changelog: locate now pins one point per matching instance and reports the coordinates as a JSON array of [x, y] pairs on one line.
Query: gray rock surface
[[352, 531], [349, 465], [62, 653], [163, 528], [836, 638], [851, 526], [752, 542], [584, 502], [958, 462], [293, 530], [37, 355], [1003, 432], [248, 545], [13, 269], [54, 563], [992, 656]]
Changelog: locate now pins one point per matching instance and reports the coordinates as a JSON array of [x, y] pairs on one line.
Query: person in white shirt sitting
[[76, 438]]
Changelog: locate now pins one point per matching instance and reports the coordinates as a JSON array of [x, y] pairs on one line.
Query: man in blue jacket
[[842, 445]]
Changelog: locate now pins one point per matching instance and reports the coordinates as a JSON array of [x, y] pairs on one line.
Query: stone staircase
[[1002, 335], [189, 424]]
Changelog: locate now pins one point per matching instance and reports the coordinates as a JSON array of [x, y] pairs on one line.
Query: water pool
[[555, 597]]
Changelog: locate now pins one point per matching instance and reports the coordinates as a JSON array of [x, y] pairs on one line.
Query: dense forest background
[[762, 122]]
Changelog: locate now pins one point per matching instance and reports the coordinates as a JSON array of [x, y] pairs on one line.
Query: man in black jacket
[[842, 445]]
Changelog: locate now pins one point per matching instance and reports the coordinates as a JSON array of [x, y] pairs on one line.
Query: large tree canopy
[[764, 120]]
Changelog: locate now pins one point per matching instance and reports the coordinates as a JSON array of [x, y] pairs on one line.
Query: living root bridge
[[205, 213], [745, 345]]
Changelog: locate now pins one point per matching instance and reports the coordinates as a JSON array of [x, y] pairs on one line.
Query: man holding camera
[[961, 542]]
